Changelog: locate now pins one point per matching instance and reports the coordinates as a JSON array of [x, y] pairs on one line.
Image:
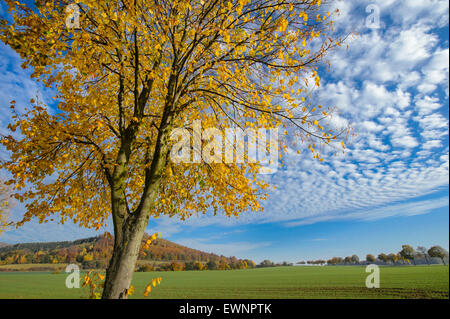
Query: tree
[[438, 252], [348, 260], [22, 260], [408, 253], [370, 258], [129, 75], [355, 259], [212, 265], [88, 257], [422, 252], [335, 261], [198, 266], [175, 266], [189, 265], [223, 265], [393, 258], [266, 263]]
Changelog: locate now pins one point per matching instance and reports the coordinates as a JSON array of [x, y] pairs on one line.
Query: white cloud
[[407, 12], [427, 104], [435, 72], [395, 210], [412, 46], [405, 141]]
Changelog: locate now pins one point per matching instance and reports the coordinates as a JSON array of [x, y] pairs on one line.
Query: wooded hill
[[95, 252]]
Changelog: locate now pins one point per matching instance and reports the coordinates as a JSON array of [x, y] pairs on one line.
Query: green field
[[283, 282]]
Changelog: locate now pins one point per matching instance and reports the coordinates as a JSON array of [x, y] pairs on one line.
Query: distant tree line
[[198, 266], [267, 263], [408, 255]]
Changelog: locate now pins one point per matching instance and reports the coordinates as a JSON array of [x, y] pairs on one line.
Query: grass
[[284, 282]]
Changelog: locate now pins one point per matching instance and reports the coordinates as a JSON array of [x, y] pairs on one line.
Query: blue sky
[[391, 187]]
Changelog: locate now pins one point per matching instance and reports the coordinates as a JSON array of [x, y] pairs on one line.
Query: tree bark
[[128, 234]]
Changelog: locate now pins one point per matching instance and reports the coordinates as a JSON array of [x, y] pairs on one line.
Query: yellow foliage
[[88, 257], [148, 288], [130, 291], [94, 282]]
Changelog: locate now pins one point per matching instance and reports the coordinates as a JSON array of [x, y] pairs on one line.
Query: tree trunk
[[127, 242], [120, 270]]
